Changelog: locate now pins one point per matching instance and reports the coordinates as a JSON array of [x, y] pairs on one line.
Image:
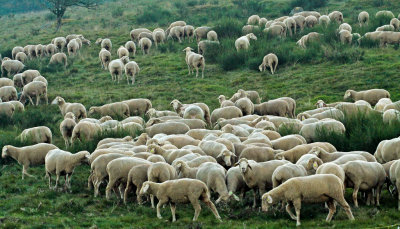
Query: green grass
[[321, 72]]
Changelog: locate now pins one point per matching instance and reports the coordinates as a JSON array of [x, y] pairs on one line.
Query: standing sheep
[[76, 108], [40, 134], [273, 107], [212, 36], [122, 51], [105, 44], [158, 36], [145, 44], [131, 46], [105, 58], [12, 67], [60, 42], [371, 96], [290, 25], [21, 57], [116, 110], [59, 58], [34, 89], [324, 20], [226, 113], [253, 20], [131, 69], [50, 49], [16, 50], [336, 16], [160, 172], [85, 131], [311, 21], [244, 41], [177, 32], [270, 60], [66, 128], [8, 93], [136, 32], [116, 68], [194, 60], [73, 47], [363, 18], [201, 33]]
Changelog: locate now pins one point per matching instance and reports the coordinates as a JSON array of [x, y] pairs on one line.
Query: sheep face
[[315, 150], [92, 110], [98, 41], [279, 157], [151, 112], [320, 104], [146, 189], [70, 115], [221, 98], [227, 156], [58, 101], [347, 95], [266, 202], [251, 36], [243, 165], [4, 152]]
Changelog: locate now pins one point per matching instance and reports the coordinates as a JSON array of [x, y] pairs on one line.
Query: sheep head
[[243, 165], [313, 164], [266, 202], [105, 119], [221, 98], [176, 104], [348, 94], [58, 101], [280, 156], [315, 150], [84, 156], [251, 36], [153, 121], [98, 41], [320, 103], [70, 115], [187, 50], [92, 110], [151, 112], [4, 152], [146, 188], [125, 59], [226, 156]]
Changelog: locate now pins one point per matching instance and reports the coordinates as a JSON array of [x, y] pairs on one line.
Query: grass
[[323, 71]]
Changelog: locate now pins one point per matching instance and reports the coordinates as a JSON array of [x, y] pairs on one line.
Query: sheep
[[252, 95], [315, 189], [116, 67], [310, 162], [288, 142], [324, 20], [253, 20], [300, 21], [372, 96], [138, 107], [16, 50], [85, 131], [308, 13], [217, 150], [345, 36], [250, 29], [136, 176], [257, 154], [387, 150], [28, 155], [244, 41], [310, 131], [21, 57], [131, 69], [191, 189], [29, 75], [160, 172], [225, 103], [226, 113], [275, 31], [177, 32], [105, 43], [122, 51], [329, 157], [389, 38], [131, 47], [76, 108], [304, 40], [212, 35], [272, 107], [73, 47], [385, 28], [311, 21], [262, 22], [258, 175], [194, 60], [391, 115], [189, 32], [136, 32], [19, 107], [202, 46], [364, 176], [332, 168], [270, 60], [158, 37], [40, 134], [31, 51], [145, 34], [331, 113], [41, 79], [395, 23], [181, 109], [363, 18], [167, 128], [60, 42], [59, 58], [336, 16], [285, 172], [382, 103], [395, 179], [201, 32], [12, 67], [385, 13], [7, 109], [245, 105], [145, 44], [153, 113], [59, 162], [8, 93], [294, 154], [66, 128], [105, 58], [290, 25], [199, 134], [37, 89], [235, 181], [50, 49]]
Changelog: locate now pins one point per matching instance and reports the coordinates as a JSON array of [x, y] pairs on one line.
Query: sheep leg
[[173, 208], [127, 190], [110, 186], [57, 179], [197, 208], [332, 210], [271, 68], [25, 172], [161, 202], [138, 197], [197, 72], [213, 209], [255, 198], [188, 70], [66, 182], [37, 99], [48, 175], [355, 192], [30, 100], [297, 207], [90, 181], [202, 72], [289, 211], [133, 80], [378, 194], [152, 201], [121, 190], [342, 202]]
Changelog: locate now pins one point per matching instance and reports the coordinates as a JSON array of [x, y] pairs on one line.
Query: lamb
[[50, 49], [395, 23], [66, 128], [311, 21], [300, 21], [189, 32], [105, 58], [244, 41], [294, 154], [59, 162], [16, 50], [21, 57], [382, 103], [40, 134], [59, 58], [329, 157], [253, 20], [257, 154], [160, 172], [324, 20], [136, 176], [12, 67], [131, 46], [345, 36], [384, 13], [371, 96], [138, 107], [310, 131], [273, 107], [332, 168], [136, 32], [73, 47], [201, 33], [8, 93], [76, 108], [258, 175], [270, 60], [225, 103], [28, 155], [145, 44], [122, 51], [226, 113], [395, 179], [389, 38], [167, 128], [85, 131], [131, 69], [116, 67], [158, 37], [336, 16], [285, 172], [329, 189], [288, 142], [364, 176], [177, 32], [212, 36], [219, 151], [193, 190]]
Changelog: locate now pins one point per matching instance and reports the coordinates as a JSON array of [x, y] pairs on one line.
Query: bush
[[232, 60], [309, 4], [153, 15], [228, 27], [117, 12]]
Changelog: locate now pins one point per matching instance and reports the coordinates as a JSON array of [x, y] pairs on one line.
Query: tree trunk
[[59, 20]]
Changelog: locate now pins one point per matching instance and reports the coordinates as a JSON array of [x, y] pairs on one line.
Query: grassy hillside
[[321, 72]]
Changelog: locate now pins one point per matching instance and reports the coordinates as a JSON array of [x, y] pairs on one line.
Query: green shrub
[[228, 27], [233, 60], [155, 15], [117, 12]]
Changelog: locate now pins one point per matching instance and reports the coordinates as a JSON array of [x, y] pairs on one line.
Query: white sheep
[[28, 155], [76, 108], [194, 60], [131, 70], [12, 67], [285, 172], [188, 32], [66, 128], [131, 46], [336, 16], [122, 51], [40, 134], [59, 58], [34, 89], [391, 116], [136, 32], [394, 175], [212, 36], [59, 162], [226, 113], [60, 42], [145, 44], [105, 58], [85, 131], [7, 109], [16, 50], [201, 32], [363, 18], [372, 96], [395, 23], [73, 47], [253, 20], [270, 60], [304, 40], [21, 56], [310, 131], [384, 13], [159, 36], [382, 103], [50, 49], [275, 31], [244, 41], [8, 93], [116, 68], [105, 43], [324, 20]]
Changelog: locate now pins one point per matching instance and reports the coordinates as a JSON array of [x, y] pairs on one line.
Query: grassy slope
[[29, 202]]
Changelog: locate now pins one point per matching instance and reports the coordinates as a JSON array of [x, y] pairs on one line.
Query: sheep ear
[[220, 155], [269, 199], [315, 165], [145, 188], [236, 164], [249, 166]]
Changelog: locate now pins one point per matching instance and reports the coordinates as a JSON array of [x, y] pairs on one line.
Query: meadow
[[322, 71]]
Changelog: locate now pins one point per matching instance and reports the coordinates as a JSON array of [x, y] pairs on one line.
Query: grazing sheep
[[364, 176], [385, 28], [158, 37], [245, 105], [177, 32], [105, 58], [138, 107], [16, 50], [61, 162], [304, 40], [294, 154], [395, 23], [8, 93], [258, 175], [263, 21], [382, 104], [332, 168], [40, 134], [235, 182], [212, 36], [290, 25], [50, 49], [345, 36], [389, 38], [12, 67], [34, 89], [394, 174], [201, 33], [188, 32], [29, 75], [310, 131], [385, 13], [28, 155], [252, 95], [131, 69], [257, 154], [190, 191], [59, 58], [329, 157], [324, 20], [285, 172], [225, 103], [116, 68], [145, 44], [275, 31], [219, 151], [336, 16], [160, 172], [226, 113], [136, 32], [253, 20], [6, 109], [250, 29], [118, 109], [315, 189], [21, 57], [19, 107], [244, 41], [203, 45], [300, 21], [76, 108], [122, 51], [273, 107], [105, 44], [311, 21], [66, 128], [131, 47], [85, 131], [363, 18], [387, 150], [136, 176], [60, 42], [308, 13], [372, 96], [390, 116], [41, 79], [288, 142], [270, 60], [145, 34], [310, 162], [167, 128], [73, 47]]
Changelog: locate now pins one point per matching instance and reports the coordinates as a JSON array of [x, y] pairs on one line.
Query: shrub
[[155, 14], [117, 12], [232, 60], [228, 27]]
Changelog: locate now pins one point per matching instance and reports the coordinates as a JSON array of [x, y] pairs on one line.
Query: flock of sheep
[[182, 156]]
